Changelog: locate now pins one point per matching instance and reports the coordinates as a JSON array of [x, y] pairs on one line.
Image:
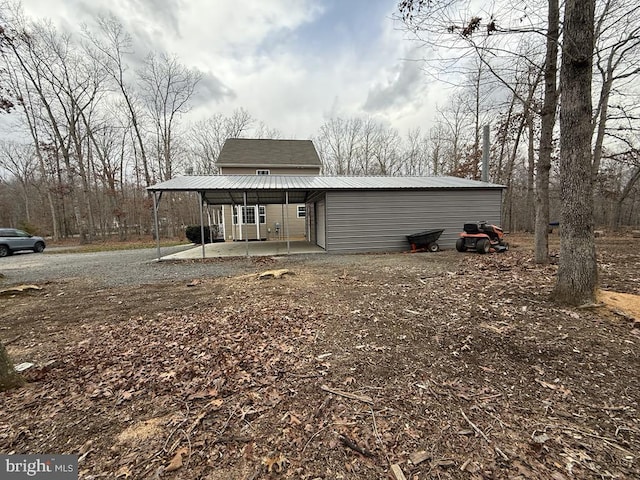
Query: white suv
[[13, 240]]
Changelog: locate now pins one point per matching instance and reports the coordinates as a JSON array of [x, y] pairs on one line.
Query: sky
[[292, 64]]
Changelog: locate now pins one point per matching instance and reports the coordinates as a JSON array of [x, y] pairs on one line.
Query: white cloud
[[290, 63]]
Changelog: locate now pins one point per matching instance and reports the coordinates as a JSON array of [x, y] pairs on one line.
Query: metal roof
[[264, 153], [273, 189]]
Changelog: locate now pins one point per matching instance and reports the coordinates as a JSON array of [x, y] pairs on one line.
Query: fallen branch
[[591, 305], [353, 446], [352, 396], [502, 454], [377, 434], [314, 436], [232, 439], [612, 442], [397, 472], [19, 289], [275, 273], [475, 427], [12, 340]]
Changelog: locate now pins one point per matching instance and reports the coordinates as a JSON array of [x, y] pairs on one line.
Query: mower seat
[[471, 228]]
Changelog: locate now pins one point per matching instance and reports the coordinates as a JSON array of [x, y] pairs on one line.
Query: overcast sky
[[290, 63]]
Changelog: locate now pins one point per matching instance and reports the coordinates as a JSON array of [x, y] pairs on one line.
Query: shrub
[[28, 227], [192, 232]]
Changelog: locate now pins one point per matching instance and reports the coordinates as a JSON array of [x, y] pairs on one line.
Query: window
[[302, 211], [249, 215], [262, 172]]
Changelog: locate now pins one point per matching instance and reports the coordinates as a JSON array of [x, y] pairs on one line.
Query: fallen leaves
[[275, 464], [176, 461], [356, 372]]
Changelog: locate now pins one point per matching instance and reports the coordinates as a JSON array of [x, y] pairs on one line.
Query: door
[[320, 224]]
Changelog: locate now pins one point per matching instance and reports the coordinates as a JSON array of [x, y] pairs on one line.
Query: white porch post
[[201, 195], [257, 217], [287, 213], [246, 236], [156, 202], [224, 226]]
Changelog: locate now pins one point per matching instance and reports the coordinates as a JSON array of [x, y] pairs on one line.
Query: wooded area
[[99, 127]]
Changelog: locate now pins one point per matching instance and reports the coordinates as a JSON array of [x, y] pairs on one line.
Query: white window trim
[[298, 211], [238, 216], [263, 171]]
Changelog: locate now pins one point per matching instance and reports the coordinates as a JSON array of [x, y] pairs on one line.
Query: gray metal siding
[[375, 221]]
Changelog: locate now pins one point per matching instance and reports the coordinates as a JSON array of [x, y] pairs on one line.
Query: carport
[[351, 214], [235, 190]]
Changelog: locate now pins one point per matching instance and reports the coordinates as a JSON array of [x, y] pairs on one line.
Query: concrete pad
[[239, 249]]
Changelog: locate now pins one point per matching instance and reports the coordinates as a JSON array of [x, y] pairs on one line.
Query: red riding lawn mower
[[482, 237]]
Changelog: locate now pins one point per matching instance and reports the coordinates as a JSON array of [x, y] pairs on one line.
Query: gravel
[[140, 266], [112, 268]]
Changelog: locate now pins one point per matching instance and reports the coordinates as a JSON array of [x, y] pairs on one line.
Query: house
[[356, 214], [243, 156]]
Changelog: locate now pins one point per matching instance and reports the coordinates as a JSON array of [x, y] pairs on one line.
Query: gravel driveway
[[140, 266], [112, 268]]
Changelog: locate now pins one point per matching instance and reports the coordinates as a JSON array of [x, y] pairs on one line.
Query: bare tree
[[208, 136], [437, 139], [338, 142], [62, 87], [356, 146], [548, 119], [110, 48], [457, 122], [8, 376], [168, 87], [415, 159], [577, 271], [31, 114], [262, 130], [19, 159]]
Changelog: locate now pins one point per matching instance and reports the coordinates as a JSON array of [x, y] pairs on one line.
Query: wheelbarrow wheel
[[433, 247]]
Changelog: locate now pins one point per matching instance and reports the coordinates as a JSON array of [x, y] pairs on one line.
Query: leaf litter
[[424, 365]]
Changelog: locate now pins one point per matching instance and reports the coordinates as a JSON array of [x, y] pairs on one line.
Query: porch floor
[[239, 249]]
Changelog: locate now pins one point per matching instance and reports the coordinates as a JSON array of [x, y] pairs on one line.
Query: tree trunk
[[577, 272], [531, 155], [546, 136], [8, 376], [626, 191]]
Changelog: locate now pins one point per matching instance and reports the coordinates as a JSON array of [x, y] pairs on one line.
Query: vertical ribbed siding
[[311, 223], [370, 221]]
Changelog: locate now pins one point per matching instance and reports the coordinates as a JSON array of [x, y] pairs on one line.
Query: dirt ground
[[443, 366]]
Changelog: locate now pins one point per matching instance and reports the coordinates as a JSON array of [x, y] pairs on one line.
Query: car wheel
[[4, 251], [460, 245], [38, 247]]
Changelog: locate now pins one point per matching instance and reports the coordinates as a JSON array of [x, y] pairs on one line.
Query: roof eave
[[263, 166]]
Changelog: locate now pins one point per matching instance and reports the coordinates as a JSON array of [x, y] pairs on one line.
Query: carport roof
[[272, 189]]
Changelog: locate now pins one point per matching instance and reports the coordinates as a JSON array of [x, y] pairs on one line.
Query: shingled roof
[[250, 152]]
